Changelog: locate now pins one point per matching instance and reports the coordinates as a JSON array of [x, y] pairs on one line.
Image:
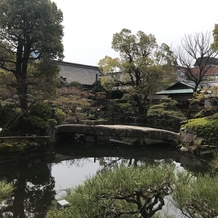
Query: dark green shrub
[[39, 114], [74, 84], [213, 117], [166, 107], [206, 112], [8, 113], [12, 146], [59, 115], [121, 112], [165, 115], [61, 83]]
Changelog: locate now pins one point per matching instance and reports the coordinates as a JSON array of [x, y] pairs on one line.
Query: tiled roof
[[177, 88], [84, 74], [180, 85]]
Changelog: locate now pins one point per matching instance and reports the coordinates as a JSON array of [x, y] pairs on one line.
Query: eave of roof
[[188, 85], [176, 91], [63, 63]]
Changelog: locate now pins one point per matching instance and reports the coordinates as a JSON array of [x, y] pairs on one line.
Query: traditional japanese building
[[86, 75]]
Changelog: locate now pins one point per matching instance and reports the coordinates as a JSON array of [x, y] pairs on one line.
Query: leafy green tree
[[140, 69], [29, 31]]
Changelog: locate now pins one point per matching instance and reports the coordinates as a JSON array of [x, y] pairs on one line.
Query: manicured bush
[[165, 115], [166, 107], [206, 127]]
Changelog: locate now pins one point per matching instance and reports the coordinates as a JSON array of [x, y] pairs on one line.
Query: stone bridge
[[118, 131]]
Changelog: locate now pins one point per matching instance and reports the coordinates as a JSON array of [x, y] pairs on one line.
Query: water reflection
[[109, 155], [76, 163], [70, 173], [34, 185], [39, 178]]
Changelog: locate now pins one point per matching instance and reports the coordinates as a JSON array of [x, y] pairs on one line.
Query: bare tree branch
[[196, 56]]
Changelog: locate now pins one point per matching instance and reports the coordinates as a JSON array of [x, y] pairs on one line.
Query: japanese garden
[[138, 116]]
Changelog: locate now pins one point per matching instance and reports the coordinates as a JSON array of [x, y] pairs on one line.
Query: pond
[[40, 177]]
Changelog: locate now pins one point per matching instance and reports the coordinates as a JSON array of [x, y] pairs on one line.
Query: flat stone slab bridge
[[119, 131]]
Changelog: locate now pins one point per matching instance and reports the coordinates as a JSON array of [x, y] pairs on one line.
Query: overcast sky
[[89, 25]]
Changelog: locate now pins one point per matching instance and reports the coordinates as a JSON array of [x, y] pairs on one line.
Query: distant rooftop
[[206, 61], [84, 74]]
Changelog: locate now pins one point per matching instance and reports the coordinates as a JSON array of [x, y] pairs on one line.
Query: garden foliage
[[205, 127]]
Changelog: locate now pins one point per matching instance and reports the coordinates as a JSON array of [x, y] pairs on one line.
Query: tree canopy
[[29, 31], [140, 69]]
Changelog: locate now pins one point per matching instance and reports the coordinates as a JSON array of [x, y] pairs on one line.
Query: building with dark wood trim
[[181, 92]]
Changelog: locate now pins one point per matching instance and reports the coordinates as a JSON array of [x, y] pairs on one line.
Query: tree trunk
[[20, 74], [142, 111], [22, 93]]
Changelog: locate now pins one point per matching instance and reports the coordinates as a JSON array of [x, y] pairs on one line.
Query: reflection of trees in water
[[188, 161], [109, 155], [78, 162], [108, 163], [195, 163], [34, 187]]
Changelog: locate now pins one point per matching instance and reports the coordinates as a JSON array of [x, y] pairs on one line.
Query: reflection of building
[[84, 74]]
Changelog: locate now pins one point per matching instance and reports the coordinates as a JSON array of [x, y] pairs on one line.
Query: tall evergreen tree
[[30, 31]]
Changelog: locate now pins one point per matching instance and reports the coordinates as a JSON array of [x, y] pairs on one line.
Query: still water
[[69, 173], [40, 177]]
